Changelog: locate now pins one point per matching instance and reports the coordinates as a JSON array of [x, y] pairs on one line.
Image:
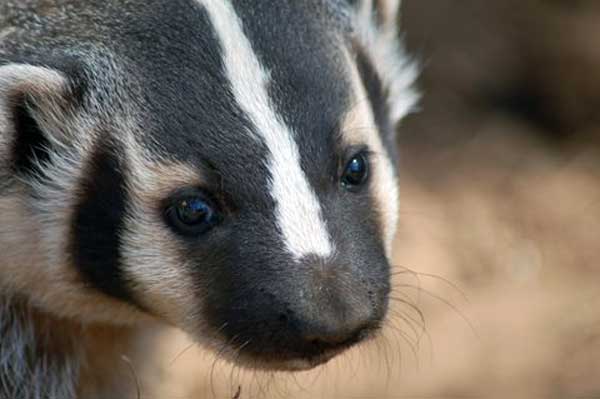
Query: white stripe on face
[[298, 211]]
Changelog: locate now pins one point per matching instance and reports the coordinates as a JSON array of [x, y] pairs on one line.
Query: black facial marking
[[98, 223]]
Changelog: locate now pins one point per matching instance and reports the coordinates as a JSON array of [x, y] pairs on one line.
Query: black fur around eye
[[356, 172], [192, 214]]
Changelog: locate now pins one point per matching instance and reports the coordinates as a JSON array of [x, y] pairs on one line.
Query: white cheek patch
[[298, 211], [359, 127]]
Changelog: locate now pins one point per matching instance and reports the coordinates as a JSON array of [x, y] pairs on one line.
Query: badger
[[227, 167]]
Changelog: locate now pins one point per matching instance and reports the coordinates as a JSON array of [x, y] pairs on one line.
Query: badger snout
[[306, 314], [335, 309]]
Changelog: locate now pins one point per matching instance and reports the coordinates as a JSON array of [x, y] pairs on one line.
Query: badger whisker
[[134, 376], [417, 275], [181, 353]]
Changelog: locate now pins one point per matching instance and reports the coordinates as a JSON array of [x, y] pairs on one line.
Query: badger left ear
[[33, 100], [376, 31]]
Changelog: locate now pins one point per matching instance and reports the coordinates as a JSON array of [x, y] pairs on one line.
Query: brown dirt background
[[500, 196]]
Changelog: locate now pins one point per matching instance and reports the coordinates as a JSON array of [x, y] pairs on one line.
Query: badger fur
[[225, 167]]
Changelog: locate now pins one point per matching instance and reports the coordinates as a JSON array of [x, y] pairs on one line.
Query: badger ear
[[377, 32], [383, 12], [33, 101]]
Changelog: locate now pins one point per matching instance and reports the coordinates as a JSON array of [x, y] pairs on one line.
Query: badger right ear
[[376, 28], [33, 100]]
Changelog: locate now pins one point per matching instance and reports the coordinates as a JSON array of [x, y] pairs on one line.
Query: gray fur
[[26, 370]]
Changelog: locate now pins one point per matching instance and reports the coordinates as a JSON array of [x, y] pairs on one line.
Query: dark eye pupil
[[193, 211], [356, 171]]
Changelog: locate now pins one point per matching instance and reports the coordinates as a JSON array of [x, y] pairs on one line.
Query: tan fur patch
[[151, 254], [358, 128]]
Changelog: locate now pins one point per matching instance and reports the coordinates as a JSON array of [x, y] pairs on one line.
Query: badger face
[[225, 166]]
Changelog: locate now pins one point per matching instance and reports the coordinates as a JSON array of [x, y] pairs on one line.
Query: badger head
[[227, 167]]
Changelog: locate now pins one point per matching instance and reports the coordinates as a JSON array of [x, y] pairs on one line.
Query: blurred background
[[497, 284]]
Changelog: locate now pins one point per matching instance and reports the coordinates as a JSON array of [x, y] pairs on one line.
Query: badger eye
[[192, 214], [356, 172]]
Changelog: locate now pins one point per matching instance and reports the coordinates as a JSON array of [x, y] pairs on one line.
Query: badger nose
[[329, 336], [311, 314], [333, 321], [335, 313]]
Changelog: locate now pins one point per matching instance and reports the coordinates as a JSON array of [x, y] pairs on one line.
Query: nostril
[[320, 346], [330, 339], [327, 341]]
